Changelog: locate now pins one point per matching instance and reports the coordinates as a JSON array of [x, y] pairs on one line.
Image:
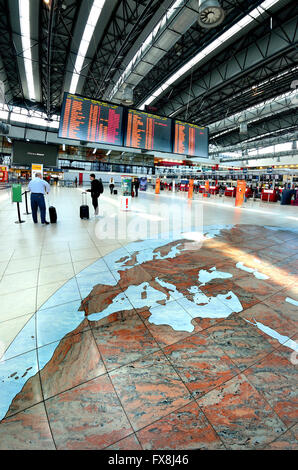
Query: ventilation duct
[[211, 14]]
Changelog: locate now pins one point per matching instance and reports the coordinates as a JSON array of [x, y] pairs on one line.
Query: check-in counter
[[230, 192], [269, 195], [248, 192], [184, 187], [214, 190]]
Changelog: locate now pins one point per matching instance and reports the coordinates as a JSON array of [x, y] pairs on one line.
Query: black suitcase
[[53, 214], [84, 209], [115, 191]]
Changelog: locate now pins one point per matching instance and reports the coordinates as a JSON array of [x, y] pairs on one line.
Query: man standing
[[112, 184], [96, 190], [136, 185], [38, 187]]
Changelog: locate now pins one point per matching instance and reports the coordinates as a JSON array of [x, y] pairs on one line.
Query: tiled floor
[[117, 343]]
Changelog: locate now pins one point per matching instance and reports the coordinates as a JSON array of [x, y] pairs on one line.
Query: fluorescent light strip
[[254, 14], [24, 13], [146, 45], [85, 41]]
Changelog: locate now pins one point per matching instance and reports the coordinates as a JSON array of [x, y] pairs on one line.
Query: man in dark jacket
[[136, 185], [286, 196], [96, 190]]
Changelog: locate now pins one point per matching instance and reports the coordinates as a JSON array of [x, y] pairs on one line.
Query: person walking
[[96, 190], [38, 187], [112, 184], [136, 185]]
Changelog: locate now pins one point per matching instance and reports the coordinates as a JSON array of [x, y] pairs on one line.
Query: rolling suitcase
[[115, 191], [84, 209], [132, 194], [53, 214]]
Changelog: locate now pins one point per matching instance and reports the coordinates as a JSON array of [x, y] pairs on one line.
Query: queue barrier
[[17, 197]]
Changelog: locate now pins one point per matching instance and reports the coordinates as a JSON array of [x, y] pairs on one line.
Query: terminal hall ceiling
[[157, 50]]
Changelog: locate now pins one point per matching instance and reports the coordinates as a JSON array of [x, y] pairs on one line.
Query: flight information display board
[[148, 131], [91, 120], [190, 139]]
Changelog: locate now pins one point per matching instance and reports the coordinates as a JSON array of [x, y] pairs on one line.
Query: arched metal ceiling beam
[[286, 153], [9, 68], [52, 68], [255, 143], [128, 20], [272, 107], [277, 43], [275, 125]]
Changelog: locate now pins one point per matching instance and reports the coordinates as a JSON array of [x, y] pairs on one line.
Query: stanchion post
[[19, 215], [26, 202]]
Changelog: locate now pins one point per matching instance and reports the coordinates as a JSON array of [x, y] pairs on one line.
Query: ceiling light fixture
[[127, 96], [246, 20], [84, 45], [24, 14]]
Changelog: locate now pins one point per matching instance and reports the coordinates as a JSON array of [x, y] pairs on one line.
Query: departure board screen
[[91, 121], [148, 131], [190, 139]]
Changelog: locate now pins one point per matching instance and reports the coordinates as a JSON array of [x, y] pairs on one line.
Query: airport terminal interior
[[148, 225]]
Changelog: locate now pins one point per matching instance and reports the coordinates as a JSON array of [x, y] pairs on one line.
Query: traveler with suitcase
[[38, 187], [96, 190]]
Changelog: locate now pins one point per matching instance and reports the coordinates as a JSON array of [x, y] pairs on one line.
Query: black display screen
[[90, 120], [190, 139], [26, 153], [148, 131]]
